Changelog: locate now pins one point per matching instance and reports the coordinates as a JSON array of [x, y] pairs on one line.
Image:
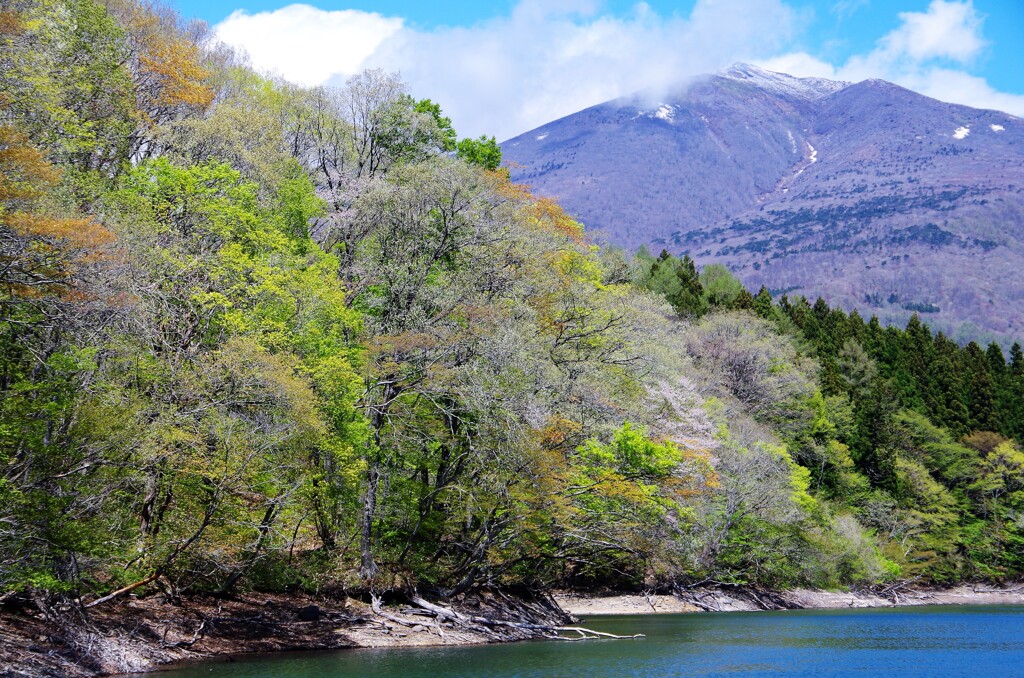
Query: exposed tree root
[[486, 625]]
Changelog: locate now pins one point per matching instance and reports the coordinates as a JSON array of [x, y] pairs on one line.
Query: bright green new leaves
[[246, 369], [483, 152], [272, 336], [633, 455], [444, 133], [632, 474]]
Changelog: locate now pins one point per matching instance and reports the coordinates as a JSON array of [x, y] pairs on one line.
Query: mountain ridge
[[867, 194]]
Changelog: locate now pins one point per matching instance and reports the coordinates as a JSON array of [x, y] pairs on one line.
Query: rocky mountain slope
[[868, 194]]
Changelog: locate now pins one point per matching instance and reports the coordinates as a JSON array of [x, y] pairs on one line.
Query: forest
[[256, 336]]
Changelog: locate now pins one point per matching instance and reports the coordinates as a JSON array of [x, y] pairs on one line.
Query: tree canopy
[[255, 335]]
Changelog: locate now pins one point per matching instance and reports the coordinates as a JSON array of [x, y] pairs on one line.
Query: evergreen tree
[[744, 301], [763, 304], [981, 390], [1016, 360]]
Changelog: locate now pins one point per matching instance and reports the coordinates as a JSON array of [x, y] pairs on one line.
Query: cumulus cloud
[[950, 30], [305, 44], [926, 53], [963, 88], [550, 58], [802, 65], [546, 59]]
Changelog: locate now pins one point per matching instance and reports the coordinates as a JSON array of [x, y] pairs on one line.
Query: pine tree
[[763, 304], [981, 390], [744, 301], [1016, 360]]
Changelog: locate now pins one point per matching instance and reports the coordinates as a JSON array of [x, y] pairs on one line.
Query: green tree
[[763, 304], [721, 288], [483, 152]]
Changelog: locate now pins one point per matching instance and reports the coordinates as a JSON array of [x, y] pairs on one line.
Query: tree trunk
[[378, 417], [264, 530], [368, 568]]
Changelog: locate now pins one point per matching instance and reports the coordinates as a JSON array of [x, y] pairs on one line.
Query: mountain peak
[[781, 83], [870, 195]]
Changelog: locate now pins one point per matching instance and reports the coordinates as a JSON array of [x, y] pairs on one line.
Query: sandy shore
[[581, 605], [739, 600]]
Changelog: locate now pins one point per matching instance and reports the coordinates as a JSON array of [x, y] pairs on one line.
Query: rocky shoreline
[[146, 634], [137, 635], [737, 599]]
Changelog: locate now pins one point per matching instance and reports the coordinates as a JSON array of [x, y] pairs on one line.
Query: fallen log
[[479, 624], [120, 592], [587, 634], [439, 611], [379, 611]]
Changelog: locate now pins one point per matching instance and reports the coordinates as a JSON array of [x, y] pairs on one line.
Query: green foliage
[[673, 278], [445, 135], [483, 152], [66, 79], [721, 288], [259, 335], [880, 439]]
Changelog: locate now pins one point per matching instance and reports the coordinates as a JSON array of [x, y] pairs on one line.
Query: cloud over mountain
[[546, 59]]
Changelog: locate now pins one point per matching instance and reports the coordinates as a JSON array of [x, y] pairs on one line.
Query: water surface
[[917, 641]]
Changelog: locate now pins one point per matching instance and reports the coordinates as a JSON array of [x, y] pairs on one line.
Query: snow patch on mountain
[[780, 83], [961, 132], [997, 128], [665, 112], [811, 159]]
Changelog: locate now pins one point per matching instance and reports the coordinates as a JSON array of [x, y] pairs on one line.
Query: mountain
[[868, 194]]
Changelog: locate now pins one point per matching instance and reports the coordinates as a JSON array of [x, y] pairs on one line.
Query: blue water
[[919, 641]]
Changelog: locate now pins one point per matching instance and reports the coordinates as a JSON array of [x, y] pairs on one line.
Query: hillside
[[867, 194], [264, 340]]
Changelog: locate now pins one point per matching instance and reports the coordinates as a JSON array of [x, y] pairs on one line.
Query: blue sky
[[504, 66]]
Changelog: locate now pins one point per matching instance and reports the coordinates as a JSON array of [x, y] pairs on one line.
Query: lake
[[916, 641]]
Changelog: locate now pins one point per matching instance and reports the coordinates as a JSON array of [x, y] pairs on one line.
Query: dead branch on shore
[[893, 590], [121, 591], [485, 625], [379, 611]]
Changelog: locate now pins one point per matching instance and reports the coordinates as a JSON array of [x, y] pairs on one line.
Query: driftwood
[[120, 592], [485, 625], [590, 633], [379, 611], [892, 591]]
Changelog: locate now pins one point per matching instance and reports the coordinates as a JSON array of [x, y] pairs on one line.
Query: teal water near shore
[[919, 641]]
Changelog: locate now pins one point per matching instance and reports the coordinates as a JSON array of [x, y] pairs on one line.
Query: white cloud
[[948, 30], [550, 58], [305, 44], [844, 9], [963, 88], [512, 74], [800, 64], [546, 59], [918, 55]]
